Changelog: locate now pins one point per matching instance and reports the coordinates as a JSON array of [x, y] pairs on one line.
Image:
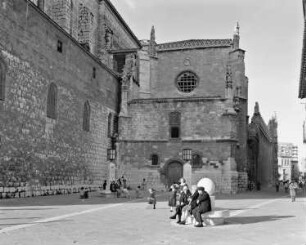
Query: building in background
[[262, 150], [288, 167]]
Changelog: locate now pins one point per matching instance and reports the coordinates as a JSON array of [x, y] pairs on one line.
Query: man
[[203, 205], [182, 203]]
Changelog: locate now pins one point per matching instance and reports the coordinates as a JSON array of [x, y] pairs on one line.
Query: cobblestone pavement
[[265, 218]]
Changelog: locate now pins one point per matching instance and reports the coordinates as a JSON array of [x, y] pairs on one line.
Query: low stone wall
[[32, 191], [242, 181]]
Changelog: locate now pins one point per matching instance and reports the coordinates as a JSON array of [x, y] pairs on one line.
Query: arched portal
[[174, 172]]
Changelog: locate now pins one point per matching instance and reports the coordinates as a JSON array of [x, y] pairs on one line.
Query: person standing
[[293, 186], [144, 184], [104, 185], [277, 185], [172, 199], [286, 186], [203, 205]]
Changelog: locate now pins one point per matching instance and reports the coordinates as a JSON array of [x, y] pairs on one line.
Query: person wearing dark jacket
[[203, 205], [185, 194], [187, 210]]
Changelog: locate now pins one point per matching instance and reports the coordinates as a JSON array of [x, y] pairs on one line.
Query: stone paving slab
[[256, 220]]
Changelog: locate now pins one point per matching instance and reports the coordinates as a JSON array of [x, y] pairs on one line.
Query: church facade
[[188, 116], [83, 100]]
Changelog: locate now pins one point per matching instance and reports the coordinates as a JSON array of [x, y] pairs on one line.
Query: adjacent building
[[59, 93], [262, 150], [288, 167]]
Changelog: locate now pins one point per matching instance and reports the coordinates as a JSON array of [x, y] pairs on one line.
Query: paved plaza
[[264, 217]]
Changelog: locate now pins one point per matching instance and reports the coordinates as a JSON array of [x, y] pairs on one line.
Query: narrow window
[[115, 124], [109, 125], [175, 124], [94, 72], [2, 80], [86, 116], [154, 159], [60, 46], [52, 101]]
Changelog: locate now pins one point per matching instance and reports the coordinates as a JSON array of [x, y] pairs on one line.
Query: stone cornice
[[174, 100], [216, 140]]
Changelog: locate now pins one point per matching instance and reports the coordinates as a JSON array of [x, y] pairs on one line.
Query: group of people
[[119, 186], [290, 187], [188, 203]]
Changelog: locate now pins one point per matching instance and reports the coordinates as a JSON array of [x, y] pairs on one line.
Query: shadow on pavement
[[254, 219]]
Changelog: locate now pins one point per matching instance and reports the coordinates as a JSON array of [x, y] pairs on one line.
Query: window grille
[[187, 82]]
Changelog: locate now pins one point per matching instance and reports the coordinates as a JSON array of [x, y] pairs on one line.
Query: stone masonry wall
[[208, 64], [200, 120], [39, 153]]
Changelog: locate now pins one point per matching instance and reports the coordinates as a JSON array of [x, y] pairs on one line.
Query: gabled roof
[[128, 29], [194, 44]]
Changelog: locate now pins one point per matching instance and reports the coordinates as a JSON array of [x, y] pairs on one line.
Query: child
[[138, 189], [152, 198], [172, 199]]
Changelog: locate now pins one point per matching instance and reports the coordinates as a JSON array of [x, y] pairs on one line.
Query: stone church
[[82, 100]]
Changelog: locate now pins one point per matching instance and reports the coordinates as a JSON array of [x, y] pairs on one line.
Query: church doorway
[[174, 172]]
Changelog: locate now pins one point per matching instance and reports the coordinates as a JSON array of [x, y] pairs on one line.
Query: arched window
[[196, 160], [52, 101], [2, 79], [175, 124], [86, 116], [109, 125], [154, 159]]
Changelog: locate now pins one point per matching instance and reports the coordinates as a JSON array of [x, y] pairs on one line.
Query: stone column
[[187, 173], [111, 172]]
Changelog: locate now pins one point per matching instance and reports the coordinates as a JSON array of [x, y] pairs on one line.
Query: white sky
[[271, 32]]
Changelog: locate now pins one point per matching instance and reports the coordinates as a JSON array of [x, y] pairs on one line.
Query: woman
[[293, 186], [173, 197]]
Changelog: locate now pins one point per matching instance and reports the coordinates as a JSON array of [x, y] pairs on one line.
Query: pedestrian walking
[[152, 198], [293, 186]]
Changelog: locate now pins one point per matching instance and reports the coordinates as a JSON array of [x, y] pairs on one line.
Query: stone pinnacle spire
[[236, 37], [152, 44]]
